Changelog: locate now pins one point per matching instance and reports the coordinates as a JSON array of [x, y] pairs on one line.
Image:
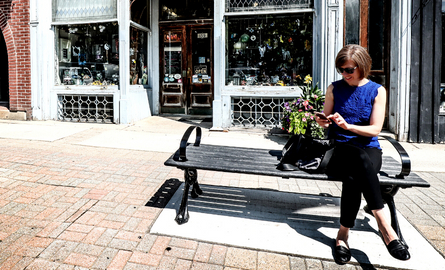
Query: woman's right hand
[[322, 122]]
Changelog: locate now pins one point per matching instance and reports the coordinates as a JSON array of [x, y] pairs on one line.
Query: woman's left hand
[[339, 120]]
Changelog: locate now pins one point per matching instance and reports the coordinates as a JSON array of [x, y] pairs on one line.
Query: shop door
[[186, 69]]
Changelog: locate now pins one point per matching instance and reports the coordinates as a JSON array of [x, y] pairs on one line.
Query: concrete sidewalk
[[74, 195]]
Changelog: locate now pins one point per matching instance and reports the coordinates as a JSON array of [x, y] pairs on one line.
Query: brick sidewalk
[[66, 206]]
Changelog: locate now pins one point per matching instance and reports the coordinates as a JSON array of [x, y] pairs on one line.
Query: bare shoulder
[[381, 90]]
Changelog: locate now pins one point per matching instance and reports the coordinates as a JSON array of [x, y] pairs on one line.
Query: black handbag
[[305, 153]]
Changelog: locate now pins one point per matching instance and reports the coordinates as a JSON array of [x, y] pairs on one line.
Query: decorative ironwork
[[253, 5], [85, 108], [258, 111]]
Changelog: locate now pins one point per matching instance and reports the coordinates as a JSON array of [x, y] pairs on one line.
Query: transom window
[[252, 5]]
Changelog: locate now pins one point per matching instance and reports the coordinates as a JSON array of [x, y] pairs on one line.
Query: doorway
[[4, 74], [186, 69]]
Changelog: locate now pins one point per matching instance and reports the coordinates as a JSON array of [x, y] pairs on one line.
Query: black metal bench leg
[[190, 179], [388, 196], [196, 190]]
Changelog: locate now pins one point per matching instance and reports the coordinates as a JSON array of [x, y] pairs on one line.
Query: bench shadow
[[308, 215]]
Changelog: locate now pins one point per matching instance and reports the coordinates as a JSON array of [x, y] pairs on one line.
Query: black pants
[[358, 167]]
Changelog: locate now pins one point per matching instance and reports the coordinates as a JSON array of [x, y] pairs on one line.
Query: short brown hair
[[358, 55]]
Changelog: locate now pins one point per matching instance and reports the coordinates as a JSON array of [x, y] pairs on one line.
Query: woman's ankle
[[342, 237]]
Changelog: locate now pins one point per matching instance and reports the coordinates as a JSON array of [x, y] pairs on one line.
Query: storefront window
[[88, 54], [138, 56], [269, 50], [173, 10]]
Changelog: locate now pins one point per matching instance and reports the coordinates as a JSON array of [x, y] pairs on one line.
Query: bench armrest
[[404, 157], [185, 139]]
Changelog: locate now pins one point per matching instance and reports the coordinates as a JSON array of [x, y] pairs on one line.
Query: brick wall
[[14, 24]]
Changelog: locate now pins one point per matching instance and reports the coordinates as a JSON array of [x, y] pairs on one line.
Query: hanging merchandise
[[244, 38], [253, 38], [262, 50]]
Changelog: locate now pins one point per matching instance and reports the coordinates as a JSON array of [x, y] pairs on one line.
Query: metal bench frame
[[191, 157]]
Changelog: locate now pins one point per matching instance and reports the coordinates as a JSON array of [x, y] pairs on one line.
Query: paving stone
[[160, 245], [40, 264], [312, 264], [241, 258], [105, 258], [205, 266], [218, 254], [81, 260], [268, 261], [167, 263], [203, 252], [297, 263], [145, 258], [119, 260]]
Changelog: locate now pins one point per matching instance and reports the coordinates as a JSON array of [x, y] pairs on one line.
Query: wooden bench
[[191, 157]]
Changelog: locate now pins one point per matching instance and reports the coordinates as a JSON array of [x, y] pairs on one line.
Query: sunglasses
[[347, 70]]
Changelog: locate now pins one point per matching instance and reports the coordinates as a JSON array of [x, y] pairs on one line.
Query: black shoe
[[342, 255], [397, 249]]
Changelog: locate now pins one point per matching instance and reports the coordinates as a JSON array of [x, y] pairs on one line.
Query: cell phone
[[321, 115]]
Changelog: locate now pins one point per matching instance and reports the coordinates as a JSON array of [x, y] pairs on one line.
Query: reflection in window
[[138, 56], [88, 54], [352, 22], [376, 32], [171, 10], [140, 12], [201, 56], [269, 50]]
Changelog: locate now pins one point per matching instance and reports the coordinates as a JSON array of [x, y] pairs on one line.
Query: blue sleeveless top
[[354, 103]]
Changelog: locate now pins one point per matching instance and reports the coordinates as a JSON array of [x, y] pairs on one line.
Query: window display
[[172, 10], [138, 57], [269, 50], [88, 54]]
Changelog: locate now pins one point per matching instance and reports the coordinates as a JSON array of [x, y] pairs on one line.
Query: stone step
[[4, 112]]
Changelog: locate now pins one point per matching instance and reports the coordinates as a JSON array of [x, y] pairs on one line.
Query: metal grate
[[85, 108], [257, 111], [253, 5]]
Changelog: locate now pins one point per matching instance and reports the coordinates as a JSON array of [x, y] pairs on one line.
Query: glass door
[[200, 63], [172, 71], [186, 69]]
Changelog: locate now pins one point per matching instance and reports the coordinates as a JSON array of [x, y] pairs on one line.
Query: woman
[[355, 110]]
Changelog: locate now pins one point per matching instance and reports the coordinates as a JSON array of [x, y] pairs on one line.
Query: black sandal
[[342, 255], [397, 249]]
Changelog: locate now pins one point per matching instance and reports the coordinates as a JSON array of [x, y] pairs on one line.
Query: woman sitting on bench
[[355, 110]]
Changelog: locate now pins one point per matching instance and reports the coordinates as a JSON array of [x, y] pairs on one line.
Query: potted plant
[[299, 115]]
